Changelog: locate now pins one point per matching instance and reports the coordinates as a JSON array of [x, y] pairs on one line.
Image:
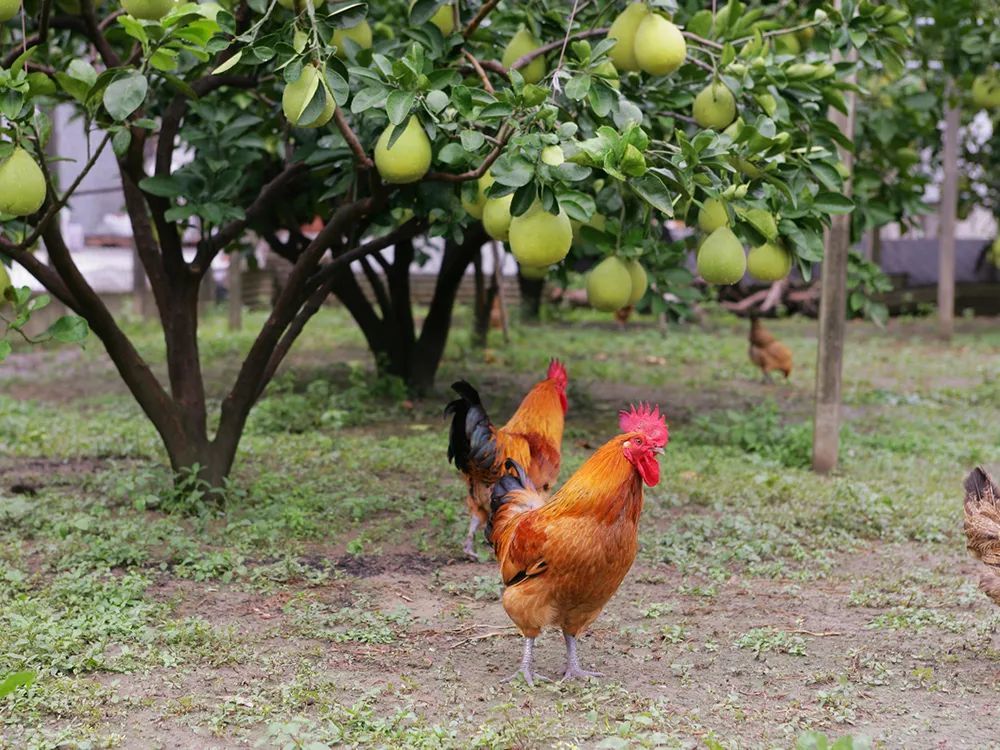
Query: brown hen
[[767, 352], [982, 528]]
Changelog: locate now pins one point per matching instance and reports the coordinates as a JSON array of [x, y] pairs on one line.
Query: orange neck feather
[[607, 485], [540, 412]]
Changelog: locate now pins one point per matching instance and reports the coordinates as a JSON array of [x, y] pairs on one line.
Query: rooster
[[767, 352], [532, 437], [562, 560], [982, 528]]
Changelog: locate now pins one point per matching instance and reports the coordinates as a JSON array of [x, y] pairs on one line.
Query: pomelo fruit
[[22, 184], [496, 217], [609, 285], [4, 284], [475, 209], [715, 106], [553, 156], [769, 262], [712, 215], [443, 18], [521, 44], [9, 9], [624, 29], [640, 282], [534, 273], [721, 259], [360, 34], [986, 90], [296, 97], [538, 238], [408, 159], [659, 46], [148, 10]]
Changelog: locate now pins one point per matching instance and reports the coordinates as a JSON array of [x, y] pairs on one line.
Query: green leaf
[[82, 71], [18, 679], [578, 87], [164, 186], [436, 100], [69, 329], [125, 95], [228, 64], [368, 99], [134, 29], [524, 196], [121, 141], [497, 109], [472, 140], [5, 350], [513, 170], [833, 203], [651, 189], [398, 105]]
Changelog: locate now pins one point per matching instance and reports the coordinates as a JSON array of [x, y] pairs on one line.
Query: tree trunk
[[946, 227], [531, 298]]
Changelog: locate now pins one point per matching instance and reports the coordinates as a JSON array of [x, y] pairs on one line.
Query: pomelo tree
[[381, 120]]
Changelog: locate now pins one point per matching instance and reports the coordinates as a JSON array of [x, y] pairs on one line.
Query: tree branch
[[43, 20], [702, 40], [56, 22], [546, 48], [45, 275], [352, 140], [210, 247], [404, 231], [94, 33], [479, 71], [484, 11], [506, 131]]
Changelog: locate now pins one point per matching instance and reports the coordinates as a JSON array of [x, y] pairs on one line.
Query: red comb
[[647, 420], [557, 372]]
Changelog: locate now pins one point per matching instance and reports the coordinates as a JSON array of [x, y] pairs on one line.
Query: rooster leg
[[470, 539], [573, 668], [525, 669]]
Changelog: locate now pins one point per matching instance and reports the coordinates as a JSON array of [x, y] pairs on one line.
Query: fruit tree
[[566, 129]]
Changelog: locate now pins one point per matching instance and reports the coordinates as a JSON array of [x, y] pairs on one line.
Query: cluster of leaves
[[16, 308]]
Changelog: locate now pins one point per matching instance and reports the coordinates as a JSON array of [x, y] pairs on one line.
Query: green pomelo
[[538, 238]]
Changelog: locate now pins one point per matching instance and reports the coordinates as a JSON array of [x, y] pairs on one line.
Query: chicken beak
[[658, 451]]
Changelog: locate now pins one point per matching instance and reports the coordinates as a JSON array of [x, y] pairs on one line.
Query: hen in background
[[982, 528], [767, 352]]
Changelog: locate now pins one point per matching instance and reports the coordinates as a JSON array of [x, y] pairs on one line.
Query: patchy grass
[[330, 605]]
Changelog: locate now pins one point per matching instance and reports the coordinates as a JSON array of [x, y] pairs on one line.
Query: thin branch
[[407, 230], [43, 20], [546, 48], [479, 71], [678, 116], [378, 288], [96, 36], [110, 19], [562, 56], [484, 11], [506, 131], [778, 32], [352, 140], [57, 22], [208, 249], [702, 40], [57, 203], [698, 63], [44, 274]]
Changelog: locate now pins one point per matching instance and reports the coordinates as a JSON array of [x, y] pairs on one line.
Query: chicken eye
[[638, 441]]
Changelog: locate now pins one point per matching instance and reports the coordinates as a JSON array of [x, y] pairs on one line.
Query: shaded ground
[[330, 605]]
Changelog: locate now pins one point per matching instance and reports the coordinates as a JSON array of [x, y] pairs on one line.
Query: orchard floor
[[330, 605]]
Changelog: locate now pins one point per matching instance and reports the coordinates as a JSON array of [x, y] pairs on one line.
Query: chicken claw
[[469, 549], [525, 669], [573, 668]]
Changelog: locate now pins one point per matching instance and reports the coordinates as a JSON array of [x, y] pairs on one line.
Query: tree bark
[[948, 214], [833, 318], [531, 298]]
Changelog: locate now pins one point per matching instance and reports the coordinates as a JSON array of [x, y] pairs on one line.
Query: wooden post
[[946, 226], [498, 279], [235, 278], [833, 317]]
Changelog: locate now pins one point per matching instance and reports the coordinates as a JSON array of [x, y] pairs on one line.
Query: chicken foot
[[526, 669], [573, 668], [470, 539]]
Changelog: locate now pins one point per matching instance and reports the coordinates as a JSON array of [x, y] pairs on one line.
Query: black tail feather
[[514, 479], [470, 441]]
